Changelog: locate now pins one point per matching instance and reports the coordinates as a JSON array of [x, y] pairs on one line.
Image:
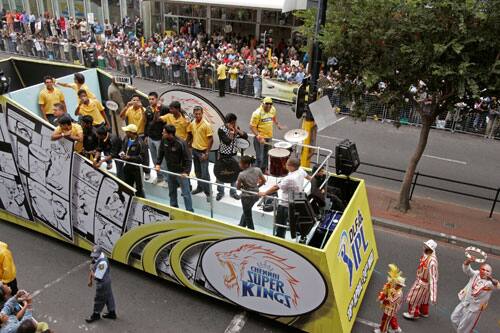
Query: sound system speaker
[[346, 158], [300, 215]]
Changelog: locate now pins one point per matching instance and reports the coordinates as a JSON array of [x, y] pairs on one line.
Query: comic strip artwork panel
[[45, 169], [12, 192]]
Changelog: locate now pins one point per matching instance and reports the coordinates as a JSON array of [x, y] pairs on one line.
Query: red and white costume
[[424, 289], [391, 304]]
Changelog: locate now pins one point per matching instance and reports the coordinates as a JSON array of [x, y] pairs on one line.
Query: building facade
[[244, 17]]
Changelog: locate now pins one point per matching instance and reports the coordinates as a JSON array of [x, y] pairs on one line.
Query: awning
[[283, 5]]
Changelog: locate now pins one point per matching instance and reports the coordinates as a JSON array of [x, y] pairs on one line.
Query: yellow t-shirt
[[49, 98], [137, 118], [263, 121], [181, 124], [7, 266], [202, 131], [94, 110], [233, 73], [75, 130], [221, 72], [90, 94]]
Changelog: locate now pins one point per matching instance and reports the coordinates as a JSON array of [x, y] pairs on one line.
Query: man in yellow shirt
[[7, 268], [79, 83], [70, 130], [233, 77], [180, 122], [202, 141], [134, 113], [91, 107], [48, 97], [221, 77], [261, 125]]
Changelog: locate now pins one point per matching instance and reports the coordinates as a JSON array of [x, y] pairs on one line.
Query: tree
[[451, 46]]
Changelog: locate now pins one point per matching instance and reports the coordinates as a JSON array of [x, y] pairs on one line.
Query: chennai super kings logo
[[256, 271], [353, 246]]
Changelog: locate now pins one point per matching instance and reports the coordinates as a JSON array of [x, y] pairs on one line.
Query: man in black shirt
[[108, 148], [153, 130], [178, 158], [133, 150], [89, 137]]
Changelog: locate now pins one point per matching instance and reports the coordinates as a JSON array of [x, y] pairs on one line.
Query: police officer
[[99, 271]]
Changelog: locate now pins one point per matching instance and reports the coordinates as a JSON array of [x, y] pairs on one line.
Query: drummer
[[228, 133], [292, 183], [261, 125]]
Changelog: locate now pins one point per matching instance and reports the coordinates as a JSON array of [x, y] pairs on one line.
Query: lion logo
[[237, 260]]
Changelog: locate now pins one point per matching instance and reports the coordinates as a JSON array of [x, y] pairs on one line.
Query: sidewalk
[[445, 221]]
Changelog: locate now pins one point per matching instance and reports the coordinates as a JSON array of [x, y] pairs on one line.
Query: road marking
[[329, 137], [237, 324], [445, 159], [367, 322], [338, 120], [59, 279]]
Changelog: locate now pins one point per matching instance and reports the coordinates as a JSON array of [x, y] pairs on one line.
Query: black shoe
[[219, 196], [235, 196], [109, 315], [198, 190], [94, 317]]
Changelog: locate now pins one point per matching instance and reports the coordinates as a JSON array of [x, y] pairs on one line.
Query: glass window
[[269, 17], [79, 9], [156, 17], [133, 9], [171, 8], [19, 5], [5, 4], [33, 7], [96, 8], [47, 6], [63, 8], [233, 14], [114, 11]]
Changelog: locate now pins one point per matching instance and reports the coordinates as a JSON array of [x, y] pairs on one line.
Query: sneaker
[[235, 196], [377, 330], [147, 176], [93, 317], [219, 196], [397, 330], [109, 315], [198, 190], [409, 316]]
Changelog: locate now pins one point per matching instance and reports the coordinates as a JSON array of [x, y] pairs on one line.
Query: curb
[[488, 248]]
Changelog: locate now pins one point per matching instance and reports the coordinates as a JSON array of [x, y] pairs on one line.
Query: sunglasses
[[269, 103]]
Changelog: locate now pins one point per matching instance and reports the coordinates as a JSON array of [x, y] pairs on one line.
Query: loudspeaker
[[300, 215], [346, 158]]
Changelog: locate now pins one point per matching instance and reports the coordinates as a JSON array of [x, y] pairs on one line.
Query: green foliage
[[451, 45]]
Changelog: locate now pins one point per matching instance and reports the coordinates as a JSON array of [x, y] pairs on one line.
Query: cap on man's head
[[175, 105], [267, 100], [96, 252], [130, 128]]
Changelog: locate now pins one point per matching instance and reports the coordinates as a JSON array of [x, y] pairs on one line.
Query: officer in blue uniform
[[99, 271]]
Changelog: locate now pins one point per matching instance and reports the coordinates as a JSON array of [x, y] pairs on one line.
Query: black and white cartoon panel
[[45, 169], [142, 213], [12, 192], [100, 204]]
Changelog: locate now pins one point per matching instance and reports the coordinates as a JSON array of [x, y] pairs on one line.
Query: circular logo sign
[[264, 277]]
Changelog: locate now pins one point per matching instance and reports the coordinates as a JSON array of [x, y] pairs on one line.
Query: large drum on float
[[277, 162]]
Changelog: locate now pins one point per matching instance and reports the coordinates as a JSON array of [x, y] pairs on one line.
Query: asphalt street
[[57, 273]]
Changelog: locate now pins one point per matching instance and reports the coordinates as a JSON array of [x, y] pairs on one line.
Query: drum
[[285, 145], [277, 162], [241, 143], [226, 170]]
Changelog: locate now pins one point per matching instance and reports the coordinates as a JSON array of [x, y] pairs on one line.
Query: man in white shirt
[[293, 182]]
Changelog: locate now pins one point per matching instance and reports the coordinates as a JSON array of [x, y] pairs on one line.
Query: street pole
[[308, 123]]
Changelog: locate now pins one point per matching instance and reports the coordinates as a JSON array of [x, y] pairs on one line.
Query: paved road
[[456, 156], [146, 304]]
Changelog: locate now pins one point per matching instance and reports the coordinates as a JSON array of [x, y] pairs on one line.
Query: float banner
[[279, 90], [45, 168], [13, 197], [100, 204], [264, 277], [352, 255], [188, 101]]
